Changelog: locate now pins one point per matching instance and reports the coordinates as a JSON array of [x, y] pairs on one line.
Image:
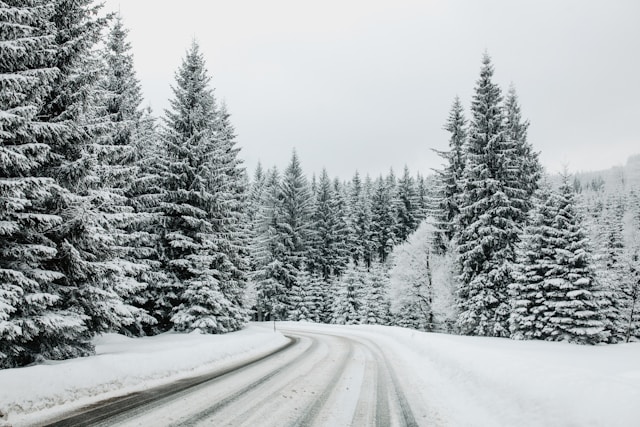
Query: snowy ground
[[449, 380], [473, 381], [123, 365]]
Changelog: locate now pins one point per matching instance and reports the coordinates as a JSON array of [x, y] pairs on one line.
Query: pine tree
[[347, 296], [610, 268], [375, 309], [269, 275], [555, 291], [536, 260], [449, 179], [328, 253], [305, 298], [145, 193], [383, 219], [294, 222], [33, 322], [527, 165], [492, 209], [118, 165], [422, 199], [361, 245], [230, 217], [341, 229], [92, 285], [201, 207], [406, 207]]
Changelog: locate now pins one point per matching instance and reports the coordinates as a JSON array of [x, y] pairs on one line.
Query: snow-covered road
[[323, 379], [331, 375]]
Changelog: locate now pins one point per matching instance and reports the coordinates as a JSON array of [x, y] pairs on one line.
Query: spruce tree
[[449, 179], [33, 321], [526, 162], [347, 296], [492, 210], [269, 275], [146, 193], [328, 253], [574, 311], [361, 244], [610, 268], [375, 306], [536, 260], [294, 222], [555, 289], [406, 207], [383, 218], [92, 285], [229, 214], [201, 207], [118, 166]]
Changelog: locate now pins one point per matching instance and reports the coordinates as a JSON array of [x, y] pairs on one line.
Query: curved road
[[317, 380]]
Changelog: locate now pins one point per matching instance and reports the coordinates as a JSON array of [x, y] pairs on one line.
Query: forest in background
[[111, 220]]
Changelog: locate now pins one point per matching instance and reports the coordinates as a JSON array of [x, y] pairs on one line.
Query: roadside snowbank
[[123, 365], [474, 381]]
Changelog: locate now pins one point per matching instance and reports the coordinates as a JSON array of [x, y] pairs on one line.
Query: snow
[[448, 380], [478, 381], [123, 365]]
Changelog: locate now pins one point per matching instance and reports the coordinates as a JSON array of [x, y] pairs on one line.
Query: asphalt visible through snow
[[317, 379]]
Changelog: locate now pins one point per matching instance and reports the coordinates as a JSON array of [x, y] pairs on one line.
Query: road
[[319, 379]]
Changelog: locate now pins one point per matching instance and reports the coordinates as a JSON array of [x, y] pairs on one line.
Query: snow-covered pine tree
[[119, 99], [255, 195], [555, 289], [536, 260], [527, 163], [610, 268], [32, 320], [375, 308], [90, 286], [347, 296], [320, 292], [406, 207], [361, 244], [574, 312], [449, 179], [492, 210], [422, 199], [305, 298], [342, 231], [327, 255], [230, 217], [294, 221], [145, 193], [269, 276], [383, 218], [198, 195]]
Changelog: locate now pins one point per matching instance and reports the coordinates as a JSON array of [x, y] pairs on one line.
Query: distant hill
[[615, 178]]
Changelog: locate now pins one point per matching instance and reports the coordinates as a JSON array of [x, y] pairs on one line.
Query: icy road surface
[[321, 379]]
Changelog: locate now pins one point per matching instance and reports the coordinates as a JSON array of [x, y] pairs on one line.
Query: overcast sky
[[367, 85]]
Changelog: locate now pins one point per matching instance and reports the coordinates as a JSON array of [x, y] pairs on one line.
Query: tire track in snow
[[111, 408], [389, 377], [212, 410], [312, 411], [388, 387]]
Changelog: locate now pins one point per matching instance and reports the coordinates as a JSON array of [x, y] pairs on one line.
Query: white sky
[[367, 85]]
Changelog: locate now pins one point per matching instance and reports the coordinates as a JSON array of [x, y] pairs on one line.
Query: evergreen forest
[[115, 219]]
